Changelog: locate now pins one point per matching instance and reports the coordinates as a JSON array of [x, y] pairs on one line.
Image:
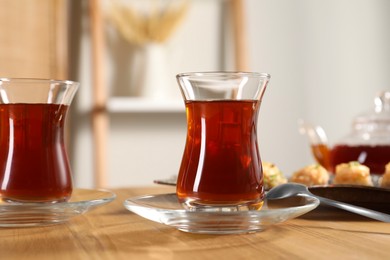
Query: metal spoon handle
[[356, 209]]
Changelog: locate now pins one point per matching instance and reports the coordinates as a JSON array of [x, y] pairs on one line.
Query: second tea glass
[[221, 166]]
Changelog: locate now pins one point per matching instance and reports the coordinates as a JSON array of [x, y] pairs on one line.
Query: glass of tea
[[221, 166], [34, 165]]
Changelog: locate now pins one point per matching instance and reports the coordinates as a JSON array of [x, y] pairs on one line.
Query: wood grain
[[33, 39], [112, 232], [237, 8], [100, 120]]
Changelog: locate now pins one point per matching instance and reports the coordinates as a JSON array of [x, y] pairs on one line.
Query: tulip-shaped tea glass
[[34, 164], [221, 166]]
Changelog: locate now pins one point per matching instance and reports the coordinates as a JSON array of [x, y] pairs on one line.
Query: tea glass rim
[[37, 90], [224, 73], [37, 80]]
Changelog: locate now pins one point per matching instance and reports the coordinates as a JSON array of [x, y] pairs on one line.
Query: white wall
[[327, 60]]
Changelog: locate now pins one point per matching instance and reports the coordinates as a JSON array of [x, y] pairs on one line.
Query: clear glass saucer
[[166, 209], [40, 214]]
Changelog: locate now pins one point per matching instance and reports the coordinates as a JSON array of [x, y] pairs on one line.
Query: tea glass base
[[197, 205], [35, 196], [21, 201]]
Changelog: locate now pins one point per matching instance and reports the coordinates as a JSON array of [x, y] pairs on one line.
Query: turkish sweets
[[272, 175], [385, 179], [311, 175], [352, 173]]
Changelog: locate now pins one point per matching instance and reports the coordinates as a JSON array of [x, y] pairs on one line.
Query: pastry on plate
[[384, 181], [272, 175], [352, 173], [313, 174]]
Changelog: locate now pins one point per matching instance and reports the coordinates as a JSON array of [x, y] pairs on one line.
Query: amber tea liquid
[[33, 162], [221, 162], [374, 157]]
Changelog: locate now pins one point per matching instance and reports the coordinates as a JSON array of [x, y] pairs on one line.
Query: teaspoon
[[292, 189]]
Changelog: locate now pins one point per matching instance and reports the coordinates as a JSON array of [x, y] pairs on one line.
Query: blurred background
[[327, 60]]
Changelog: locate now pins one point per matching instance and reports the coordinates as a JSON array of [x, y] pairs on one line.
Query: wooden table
[[112, 232]]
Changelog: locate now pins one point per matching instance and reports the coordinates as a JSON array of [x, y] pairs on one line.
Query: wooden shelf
[[144, 105], [103, 105]]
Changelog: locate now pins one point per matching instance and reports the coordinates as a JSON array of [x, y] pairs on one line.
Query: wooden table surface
[[112, 232]]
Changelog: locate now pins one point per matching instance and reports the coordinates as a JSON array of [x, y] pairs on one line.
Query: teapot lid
[[375, 123]]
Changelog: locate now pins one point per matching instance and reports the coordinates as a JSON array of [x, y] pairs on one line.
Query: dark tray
[[369, 197]]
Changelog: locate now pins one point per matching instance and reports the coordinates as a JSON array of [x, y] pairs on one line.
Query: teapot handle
[[316, 134], [382, 102]]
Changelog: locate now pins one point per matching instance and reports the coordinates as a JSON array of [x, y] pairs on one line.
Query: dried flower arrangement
[[154, 24]]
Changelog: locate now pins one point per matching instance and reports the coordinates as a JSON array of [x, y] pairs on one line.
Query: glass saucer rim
[[243, 212], [16, 215], [217, 222]]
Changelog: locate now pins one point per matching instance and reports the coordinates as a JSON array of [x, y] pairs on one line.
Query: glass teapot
[[368, 142]]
